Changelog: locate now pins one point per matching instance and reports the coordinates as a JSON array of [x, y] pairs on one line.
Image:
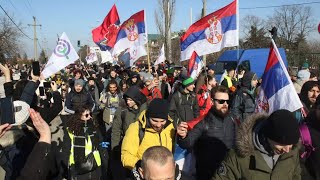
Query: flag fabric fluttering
[[132, 54], [277, 90], [132, 32], [212, 33], [63, 55], [195, 65], [161, 57], [92, 56], [106, 34]]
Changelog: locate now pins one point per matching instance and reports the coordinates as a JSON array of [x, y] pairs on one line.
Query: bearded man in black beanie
[[153, 128], [266, 148]]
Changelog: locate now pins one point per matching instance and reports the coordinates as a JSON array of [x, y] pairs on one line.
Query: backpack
[[141, 129], [305, 137]]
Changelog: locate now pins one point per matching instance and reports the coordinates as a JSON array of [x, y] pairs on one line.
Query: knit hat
[[211, 66], [187, 82], [147, 77], [158, 108], [305, 65], [79, 82], [304, 75], [282, 127]]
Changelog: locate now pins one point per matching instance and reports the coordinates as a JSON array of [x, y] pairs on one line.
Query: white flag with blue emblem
[[63, 55]]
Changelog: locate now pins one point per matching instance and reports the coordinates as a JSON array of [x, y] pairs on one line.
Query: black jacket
[[75, 100], [312, 163], [212, 138], [243, 104], [183, 107], [39, 163]]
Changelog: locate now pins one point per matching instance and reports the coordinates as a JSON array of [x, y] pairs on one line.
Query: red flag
[[106, 34]]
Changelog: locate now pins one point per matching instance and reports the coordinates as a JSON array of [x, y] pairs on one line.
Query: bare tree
[[293, 22], [164, 18], [9, 37], [250, 21]]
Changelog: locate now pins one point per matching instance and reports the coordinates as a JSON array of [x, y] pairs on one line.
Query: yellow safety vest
[[88, 150], [229, 81]]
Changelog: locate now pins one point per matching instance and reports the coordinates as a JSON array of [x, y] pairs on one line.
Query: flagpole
[[148, 56], [237, 20]]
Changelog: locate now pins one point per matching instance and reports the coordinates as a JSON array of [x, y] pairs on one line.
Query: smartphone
[[18, 127], [46, 85], [41, 90], [36, 68]]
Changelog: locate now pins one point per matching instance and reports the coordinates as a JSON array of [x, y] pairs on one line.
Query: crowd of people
[[125, 124]]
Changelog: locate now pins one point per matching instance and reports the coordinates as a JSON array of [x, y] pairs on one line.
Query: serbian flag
[[195, 65], [277, 90], [105, 35], [132, 33], [211, 33]]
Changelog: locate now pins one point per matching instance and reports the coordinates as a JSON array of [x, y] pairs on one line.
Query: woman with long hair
[[86, 158]]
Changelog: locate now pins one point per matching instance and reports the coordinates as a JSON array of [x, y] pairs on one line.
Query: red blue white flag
[[106, 34], [132, 33], [277, 90], [212, 33], [195, 65]]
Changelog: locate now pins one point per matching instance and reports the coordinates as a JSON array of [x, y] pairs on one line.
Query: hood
[[244, 138], [146, 124], [247, 78], [136, 95]]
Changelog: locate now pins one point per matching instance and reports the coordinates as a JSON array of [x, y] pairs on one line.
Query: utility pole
[[35, 36], [167, 32], [204, 7]]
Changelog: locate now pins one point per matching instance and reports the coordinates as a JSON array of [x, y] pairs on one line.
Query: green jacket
[[121, 121], [246, 161]]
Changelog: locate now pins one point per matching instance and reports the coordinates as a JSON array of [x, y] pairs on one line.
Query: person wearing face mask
[[212, 137], [127, 113], [157, 128], [243, 103], [85, 158], [266, 148]]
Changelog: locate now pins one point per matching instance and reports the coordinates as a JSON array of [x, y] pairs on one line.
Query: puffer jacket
[[243, 104], [75, 100], [183, 106], [249, 158], [211, 138], [132, 150]]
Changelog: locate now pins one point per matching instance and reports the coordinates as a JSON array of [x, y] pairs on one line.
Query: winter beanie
[[282, 127], [79, 82], [147, 77], [247, 78], [158, 108], [187, 82]]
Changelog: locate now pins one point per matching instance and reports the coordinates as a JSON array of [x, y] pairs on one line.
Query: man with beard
[[212, 137]]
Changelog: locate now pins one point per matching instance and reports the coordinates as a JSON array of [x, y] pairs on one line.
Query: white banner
[[92, 56], [161, 57], [63, 55]]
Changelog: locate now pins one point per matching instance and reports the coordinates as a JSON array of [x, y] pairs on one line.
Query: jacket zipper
[[160, 139]]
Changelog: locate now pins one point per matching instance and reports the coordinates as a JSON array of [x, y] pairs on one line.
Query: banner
[[106, 34], [161, 57], [211, 33], [277, 90], [63, 55], [92, 56]]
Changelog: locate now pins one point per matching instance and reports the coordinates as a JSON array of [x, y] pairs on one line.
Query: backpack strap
[[306, 140], [141, 133]]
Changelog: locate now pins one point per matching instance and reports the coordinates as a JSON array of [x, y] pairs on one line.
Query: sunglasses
[[87, 115], [222, 101]]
